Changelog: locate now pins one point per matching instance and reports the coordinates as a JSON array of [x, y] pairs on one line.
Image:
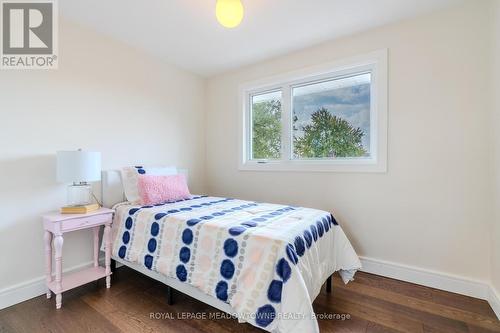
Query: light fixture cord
[[95, 198]]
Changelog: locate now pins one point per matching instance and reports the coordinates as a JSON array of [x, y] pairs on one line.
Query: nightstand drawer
[[84, 222]]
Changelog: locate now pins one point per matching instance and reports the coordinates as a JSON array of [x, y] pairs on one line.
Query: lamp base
[[79, 194]]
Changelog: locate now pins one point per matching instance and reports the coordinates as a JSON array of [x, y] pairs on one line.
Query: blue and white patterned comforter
[[267, 261]]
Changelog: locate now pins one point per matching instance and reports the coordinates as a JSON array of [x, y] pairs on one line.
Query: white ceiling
[[186, 33]]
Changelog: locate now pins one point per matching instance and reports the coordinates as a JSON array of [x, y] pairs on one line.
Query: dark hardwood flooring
[[373, 303]]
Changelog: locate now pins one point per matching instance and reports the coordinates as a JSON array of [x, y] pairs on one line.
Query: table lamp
[[79, 168]]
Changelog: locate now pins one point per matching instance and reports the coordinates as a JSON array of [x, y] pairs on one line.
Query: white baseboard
[[433, 279], [426, 277], [494, 299], [26, 290]]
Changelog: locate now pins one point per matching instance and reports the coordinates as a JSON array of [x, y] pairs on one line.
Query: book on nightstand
[[79, 209]]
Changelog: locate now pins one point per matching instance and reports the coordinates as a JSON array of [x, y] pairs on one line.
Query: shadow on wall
[[28, 189], [27, 173]]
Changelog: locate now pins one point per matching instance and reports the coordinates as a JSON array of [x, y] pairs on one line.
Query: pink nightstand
[[55, 225]]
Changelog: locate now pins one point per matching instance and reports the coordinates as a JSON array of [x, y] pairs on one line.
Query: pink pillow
[[157, 189]]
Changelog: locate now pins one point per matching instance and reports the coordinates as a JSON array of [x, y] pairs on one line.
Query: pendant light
[[229, 12]]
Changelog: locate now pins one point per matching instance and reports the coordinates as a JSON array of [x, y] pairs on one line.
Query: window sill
[[345, 166]]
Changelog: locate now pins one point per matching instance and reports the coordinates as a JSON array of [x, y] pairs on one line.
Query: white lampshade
[[78, 166]]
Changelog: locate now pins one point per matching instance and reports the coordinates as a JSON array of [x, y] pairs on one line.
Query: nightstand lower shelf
[[73, 280]]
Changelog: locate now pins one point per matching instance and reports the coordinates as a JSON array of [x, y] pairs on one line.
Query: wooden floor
[[372, 303]]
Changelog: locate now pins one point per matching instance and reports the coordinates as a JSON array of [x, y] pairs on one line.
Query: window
[[266, 126], [332, 118]]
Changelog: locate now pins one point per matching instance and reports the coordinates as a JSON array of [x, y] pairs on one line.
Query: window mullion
[[249, 127], [286, 114]]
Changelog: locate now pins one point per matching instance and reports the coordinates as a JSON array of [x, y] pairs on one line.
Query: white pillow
[[130, 175]]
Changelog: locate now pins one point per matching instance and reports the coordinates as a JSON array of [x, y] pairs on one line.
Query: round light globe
[[229, 12]]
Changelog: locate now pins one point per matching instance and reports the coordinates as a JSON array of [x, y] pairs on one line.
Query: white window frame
[[374, 62]]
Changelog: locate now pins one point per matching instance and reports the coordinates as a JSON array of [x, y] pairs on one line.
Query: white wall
[[432, 209], [496, 145], [106, 97]]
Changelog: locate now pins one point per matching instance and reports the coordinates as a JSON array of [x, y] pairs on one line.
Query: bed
[[262, 263]]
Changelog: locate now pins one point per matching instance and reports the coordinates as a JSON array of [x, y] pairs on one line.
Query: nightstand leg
[[107, 240], [96, 246], [48, 260], [58, 244]]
